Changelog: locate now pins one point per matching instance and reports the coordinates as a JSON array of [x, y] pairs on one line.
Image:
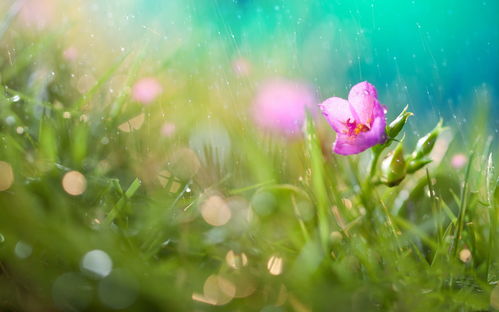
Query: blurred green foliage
[[260, 223]]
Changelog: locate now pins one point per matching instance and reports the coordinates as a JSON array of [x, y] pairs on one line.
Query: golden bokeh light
[[166, 179], [74, 183], [245, 285], [274, 265], [236, 260], [134, 123], [215, 211], [465, 255], [6, 176], [218, 290]]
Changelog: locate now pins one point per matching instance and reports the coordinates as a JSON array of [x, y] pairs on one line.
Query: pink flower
[[458, 161], [146, 90], [37, 13], [168, 129], [359, 122], [70, 54], [280, 105]]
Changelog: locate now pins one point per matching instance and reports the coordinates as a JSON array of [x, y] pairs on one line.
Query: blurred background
[[151, 153], [433, 56], [436, 57]]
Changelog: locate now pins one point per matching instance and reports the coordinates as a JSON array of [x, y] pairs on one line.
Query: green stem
[[372, 165]]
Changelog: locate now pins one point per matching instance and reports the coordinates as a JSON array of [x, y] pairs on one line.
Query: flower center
[[355, 128]]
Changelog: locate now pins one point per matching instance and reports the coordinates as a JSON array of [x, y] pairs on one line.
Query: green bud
[[393, 169], [415, 165], [396, 126], [426, 143]]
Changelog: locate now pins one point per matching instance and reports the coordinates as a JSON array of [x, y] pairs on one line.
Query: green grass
[[345, 244]]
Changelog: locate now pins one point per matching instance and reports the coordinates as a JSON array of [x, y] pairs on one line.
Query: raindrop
[[15, 98]]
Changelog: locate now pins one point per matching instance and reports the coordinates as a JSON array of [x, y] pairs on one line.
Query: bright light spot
[[133, 124], [166, 180], [465, 255], [66, 115], [6, 176], [23, 250], [235, 260], [218, 290], [203, 299], [74, 183], [215, 211], [274, 265], [20, 130], [97, 262], [15, 98]]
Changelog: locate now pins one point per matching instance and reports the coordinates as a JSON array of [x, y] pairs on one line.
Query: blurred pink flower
[[70, 54], [168, 129], [37, 13], [146, 90], [241, 67], [359, 122], [280, 105], [458, 161]]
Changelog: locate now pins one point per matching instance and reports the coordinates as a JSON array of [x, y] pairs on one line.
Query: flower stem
[[372, 165]]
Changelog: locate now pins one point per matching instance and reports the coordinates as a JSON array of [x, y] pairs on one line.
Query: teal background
[[437, 56]]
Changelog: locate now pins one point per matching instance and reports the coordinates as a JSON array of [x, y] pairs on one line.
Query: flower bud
[[396, 126], [415, 165], [426, 143], [393, 169]]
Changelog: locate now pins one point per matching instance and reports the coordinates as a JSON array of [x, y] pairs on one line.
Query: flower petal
[[363, 97], [337, 112], [348, 145]]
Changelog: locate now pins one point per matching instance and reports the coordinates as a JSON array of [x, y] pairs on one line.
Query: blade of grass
[[492, 213], [116, 210], [26, 57], [462, 206], [98, 85], [317, 166]]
